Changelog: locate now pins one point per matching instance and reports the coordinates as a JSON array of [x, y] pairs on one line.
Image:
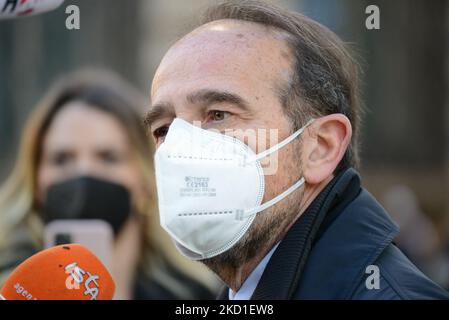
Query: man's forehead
[[223, 46], [244, 29], [230, 33]]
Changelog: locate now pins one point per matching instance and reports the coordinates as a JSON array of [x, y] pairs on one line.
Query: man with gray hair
[[303, 228]]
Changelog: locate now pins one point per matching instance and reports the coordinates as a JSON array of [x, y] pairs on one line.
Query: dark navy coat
[[325, 255]]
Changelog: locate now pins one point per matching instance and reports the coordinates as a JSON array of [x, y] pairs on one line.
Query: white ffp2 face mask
[[210, 188]]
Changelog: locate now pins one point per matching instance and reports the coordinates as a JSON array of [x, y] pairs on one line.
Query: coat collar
[[325, 253], [337, 264]]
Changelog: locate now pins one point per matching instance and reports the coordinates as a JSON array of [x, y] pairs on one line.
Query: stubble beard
[[267, 229]]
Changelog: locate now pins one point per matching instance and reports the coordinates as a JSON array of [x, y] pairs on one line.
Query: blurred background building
[[405, 158]]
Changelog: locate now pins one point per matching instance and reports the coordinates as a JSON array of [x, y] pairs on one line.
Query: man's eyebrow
[[158, 111], [210, 96]]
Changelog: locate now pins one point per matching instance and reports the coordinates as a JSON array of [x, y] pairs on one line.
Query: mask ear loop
[[280, 145], [255, 210], [247, 213]]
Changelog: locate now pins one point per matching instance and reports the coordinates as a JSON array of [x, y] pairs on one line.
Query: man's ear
[[324, 146]]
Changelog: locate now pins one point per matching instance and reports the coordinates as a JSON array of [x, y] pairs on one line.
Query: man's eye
[[160, 132], [218, 115]]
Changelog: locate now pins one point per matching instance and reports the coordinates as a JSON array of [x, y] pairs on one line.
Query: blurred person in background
[[419, 238], [87, 131]]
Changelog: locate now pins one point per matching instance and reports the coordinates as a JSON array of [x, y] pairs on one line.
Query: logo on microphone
[[76, 278], [23, 292]]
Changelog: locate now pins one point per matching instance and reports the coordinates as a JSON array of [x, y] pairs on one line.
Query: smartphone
[[96, 235]]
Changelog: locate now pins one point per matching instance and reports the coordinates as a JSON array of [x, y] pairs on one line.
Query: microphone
[[20, 8], [65, 272]]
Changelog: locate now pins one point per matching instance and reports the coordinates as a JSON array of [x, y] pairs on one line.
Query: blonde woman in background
[[89, 125]]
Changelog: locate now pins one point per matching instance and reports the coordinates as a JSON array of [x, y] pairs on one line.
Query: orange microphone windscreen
[[65, 272]]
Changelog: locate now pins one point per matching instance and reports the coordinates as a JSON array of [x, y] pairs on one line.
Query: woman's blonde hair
[[18, 205]]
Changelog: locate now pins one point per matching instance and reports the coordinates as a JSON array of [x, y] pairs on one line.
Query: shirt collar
[[249, 286]]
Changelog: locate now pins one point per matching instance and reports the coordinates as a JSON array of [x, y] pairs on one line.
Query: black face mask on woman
[[87, 197]]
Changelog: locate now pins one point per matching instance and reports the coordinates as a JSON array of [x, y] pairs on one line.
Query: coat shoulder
[[399, 279]]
